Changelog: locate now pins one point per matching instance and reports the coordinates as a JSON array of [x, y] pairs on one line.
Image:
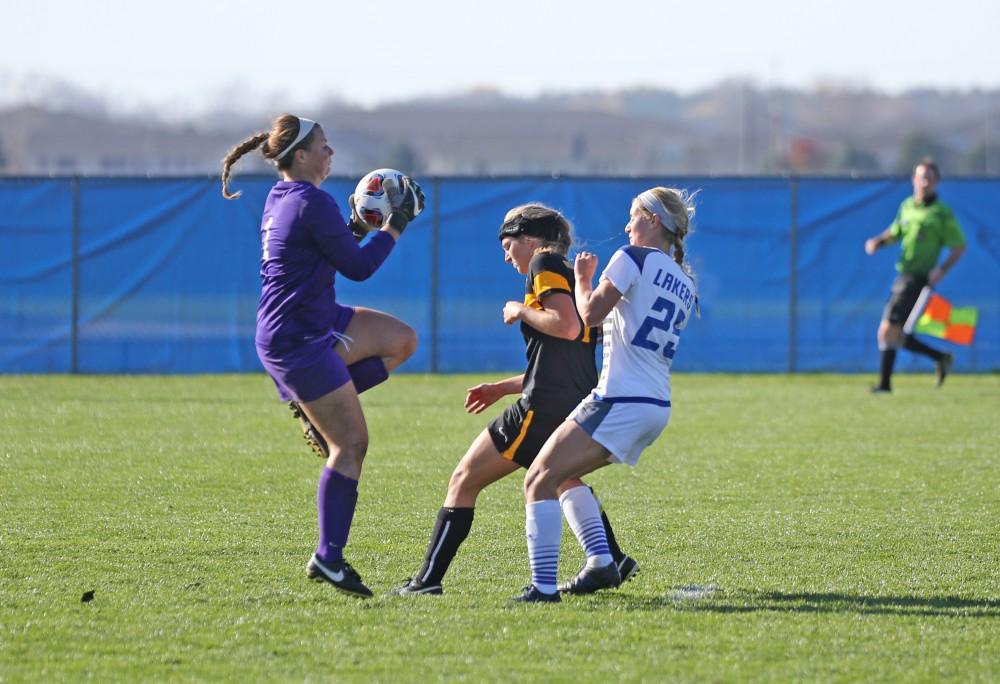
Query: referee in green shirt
[[924, 225]]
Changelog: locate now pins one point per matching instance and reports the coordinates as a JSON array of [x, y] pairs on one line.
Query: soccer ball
[[371, 201]]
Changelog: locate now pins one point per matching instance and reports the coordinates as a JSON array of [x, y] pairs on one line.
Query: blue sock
[[367, 373], [336, 499], [543, 528], [583, 514]]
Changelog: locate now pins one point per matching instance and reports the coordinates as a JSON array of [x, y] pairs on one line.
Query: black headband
[[548, 227]]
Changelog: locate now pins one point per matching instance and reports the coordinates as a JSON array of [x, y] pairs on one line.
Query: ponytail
[[248, 145], [282, 139], [680, 205]]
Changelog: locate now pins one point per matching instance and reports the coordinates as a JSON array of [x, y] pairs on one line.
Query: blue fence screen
[[137, 275]]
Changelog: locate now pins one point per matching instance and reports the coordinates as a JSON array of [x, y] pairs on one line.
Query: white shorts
[[623, 426]]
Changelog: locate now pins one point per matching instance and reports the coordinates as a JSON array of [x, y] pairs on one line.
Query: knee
[[462, 484], [536, 484], [359, 445], [570, 484], [889, 336], [407, 344], [885, 334], [349, 452]]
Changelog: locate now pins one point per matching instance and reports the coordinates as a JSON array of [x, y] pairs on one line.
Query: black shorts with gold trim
[[519, 432]]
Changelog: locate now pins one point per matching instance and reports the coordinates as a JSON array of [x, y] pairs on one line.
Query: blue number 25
[[651, 323]]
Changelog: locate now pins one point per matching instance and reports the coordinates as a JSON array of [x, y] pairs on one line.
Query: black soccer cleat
[[627, 568], [533, 595], [878, 389], [414, 587], [589, 580], [340, 574], [942, 367], [309, 432]]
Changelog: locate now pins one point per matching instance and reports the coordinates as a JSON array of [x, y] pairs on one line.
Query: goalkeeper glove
[[356, 225], [407, 202]]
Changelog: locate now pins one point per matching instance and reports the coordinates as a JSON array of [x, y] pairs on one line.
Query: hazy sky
[[186, 53]]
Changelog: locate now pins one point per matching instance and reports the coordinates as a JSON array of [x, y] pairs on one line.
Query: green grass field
[[832, 535]]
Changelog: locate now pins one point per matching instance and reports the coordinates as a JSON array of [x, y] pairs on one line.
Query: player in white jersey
[[645, 298]]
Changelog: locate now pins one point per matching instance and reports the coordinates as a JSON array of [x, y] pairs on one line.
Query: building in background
[[732, 128]]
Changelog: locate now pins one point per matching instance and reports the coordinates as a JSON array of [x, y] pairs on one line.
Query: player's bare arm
[[938, 272], [557, 317], [873, 244], [593, 305], [484, 395]]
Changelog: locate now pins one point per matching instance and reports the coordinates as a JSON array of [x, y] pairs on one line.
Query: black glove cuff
[[357, 230], [399, 221]]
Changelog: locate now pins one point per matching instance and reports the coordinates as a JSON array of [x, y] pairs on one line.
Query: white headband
[[305, 126], [648, 200]]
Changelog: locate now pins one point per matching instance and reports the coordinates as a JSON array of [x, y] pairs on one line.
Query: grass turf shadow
[[736, 601]]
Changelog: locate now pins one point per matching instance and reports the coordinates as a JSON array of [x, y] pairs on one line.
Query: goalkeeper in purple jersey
[[321, 354]]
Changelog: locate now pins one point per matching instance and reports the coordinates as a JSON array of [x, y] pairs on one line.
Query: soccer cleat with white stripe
[[340, 574], [628, 567]]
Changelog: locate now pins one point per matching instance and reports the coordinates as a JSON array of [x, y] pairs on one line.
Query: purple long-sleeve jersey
[[305, 244]]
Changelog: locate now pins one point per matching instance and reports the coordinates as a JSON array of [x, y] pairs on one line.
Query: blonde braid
[[679, 251], [680, 205]]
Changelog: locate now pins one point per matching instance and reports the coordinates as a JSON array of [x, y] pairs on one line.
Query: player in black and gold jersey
[[561, 371]]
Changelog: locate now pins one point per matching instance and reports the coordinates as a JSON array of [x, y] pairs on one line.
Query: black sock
[[912, 344], [450, 530], [616, 551], [885, 371]]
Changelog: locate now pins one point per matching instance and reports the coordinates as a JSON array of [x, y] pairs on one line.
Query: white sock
[[543, 528], [583, 513]]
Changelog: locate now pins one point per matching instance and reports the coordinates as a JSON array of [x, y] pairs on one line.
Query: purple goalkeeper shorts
[[313, 368]]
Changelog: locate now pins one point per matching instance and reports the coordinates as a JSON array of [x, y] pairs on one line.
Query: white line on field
[[693, 592]]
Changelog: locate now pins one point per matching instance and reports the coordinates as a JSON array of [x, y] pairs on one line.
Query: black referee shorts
[[519, 432], [905, 292]]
